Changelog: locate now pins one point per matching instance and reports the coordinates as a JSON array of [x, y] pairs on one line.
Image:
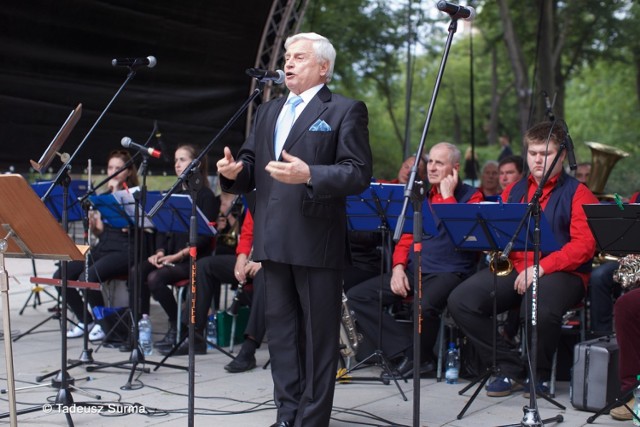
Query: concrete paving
[[159, 398]]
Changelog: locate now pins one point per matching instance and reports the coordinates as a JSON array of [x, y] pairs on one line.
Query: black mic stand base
[[178, 344], [380, 360], [531, 417]]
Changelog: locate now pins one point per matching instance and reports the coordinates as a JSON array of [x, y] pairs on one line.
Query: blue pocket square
[[320, 126]]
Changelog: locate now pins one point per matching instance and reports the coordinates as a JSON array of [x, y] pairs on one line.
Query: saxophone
[[349, 336], [628, 273]]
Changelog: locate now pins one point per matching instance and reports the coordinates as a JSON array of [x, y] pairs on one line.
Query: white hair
[[322, 47]]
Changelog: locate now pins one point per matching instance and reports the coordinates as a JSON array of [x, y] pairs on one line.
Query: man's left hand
[[291, 170]]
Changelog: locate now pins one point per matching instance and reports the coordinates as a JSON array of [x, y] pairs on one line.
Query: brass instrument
[[628, 273], [500, 267], [349, 336], [603, 159]]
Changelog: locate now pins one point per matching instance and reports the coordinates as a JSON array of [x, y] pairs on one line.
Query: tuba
[[603, 159]]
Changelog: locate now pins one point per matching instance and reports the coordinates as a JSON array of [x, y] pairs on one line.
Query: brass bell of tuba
[[603, 159]]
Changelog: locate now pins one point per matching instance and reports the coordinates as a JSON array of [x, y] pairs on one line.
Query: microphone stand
[[192, 184], [62, 380], [531, 415], [411, 194]]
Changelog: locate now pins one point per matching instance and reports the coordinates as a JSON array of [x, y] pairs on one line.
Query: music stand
[[377, 209], [32, 233], [120, 209], [490, 227], [616, 229], [58, 140], [174, 216]]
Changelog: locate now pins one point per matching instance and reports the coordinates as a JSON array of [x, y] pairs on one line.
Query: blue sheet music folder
[[380, 203], [175, 214], [55, 199], [463, 223]]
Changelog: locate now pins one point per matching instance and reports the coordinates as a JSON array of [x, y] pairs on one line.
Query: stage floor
[[221, 398]]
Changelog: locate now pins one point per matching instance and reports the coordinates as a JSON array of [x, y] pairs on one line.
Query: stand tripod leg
[[483, 380], [53, 316], [178, 344]]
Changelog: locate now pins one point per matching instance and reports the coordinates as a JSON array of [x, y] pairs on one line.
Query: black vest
[[558, 209]]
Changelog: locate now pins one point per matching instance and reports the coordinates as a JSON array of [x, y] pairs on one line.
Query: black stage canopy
[[57, 54]]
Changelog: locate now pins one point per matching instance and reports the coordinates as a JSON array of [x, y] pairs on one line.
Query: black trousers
[[303, 318], [103, 266], [471, 305], [396, 337], [157, 282]]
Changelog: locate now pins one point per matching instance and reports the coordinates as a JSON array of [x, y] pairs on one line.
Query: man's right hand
[[400, 281], [227, 166]]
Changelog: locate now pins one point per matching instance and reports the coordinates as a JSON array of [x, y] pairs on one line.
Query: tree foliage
[[583, 52]]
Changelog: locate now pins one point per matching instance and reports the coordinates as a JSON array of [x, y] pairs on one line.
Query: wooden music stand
[[31, 232]]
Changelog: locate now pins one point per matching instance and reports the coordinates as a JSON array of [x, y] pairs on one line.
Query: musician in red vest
[[563, 274]]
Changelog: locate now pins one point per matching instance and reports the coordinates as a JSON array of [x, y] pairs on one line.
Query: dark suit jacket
[[295, 224]]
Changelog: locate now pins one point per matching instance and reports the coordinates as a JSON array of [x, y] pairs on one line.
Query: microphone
[[547, 103], [276, 76], [149, 61], [571, 155], [126, 142], [456, 11]]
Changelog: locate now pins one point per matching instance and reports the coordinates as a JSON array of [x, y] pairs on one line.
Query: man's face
[[582, 173], [508, 174], [439, 165], [405, 170], [489, 177], [540, 155], [302, 68]]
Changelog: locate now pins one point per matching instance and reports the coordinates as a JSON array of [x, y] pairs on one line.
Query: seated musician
[[109, 258], [443, 269], [170, 262], [563, 274]]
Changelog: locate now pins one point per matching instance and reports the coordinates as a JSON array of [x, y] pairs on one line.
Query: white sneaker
[[77, 330], [96, 333]]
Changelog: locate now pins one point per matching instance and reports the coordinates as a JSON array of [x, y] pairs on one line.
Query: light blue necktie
[[285, 123]]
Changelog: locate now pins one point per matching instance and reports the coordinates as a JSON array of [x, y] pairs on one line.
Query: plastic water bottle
[[212, 331], [453, 364], [144, 335], [636, 405]]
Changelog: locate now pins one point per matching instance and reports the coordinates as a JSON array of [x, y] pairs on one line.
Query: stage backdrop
[[56, 54]]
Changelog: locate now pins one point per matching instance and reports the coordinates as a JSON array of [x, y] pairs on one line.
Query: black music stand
[[490, 227], [174, 216], [616, 229], [121, 209], [377, 209]]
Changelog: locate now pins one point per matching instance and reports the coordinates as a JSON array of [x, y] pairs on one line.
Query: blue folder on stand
[[56, 197], [175, 214], [490, 226], [380, 206], [114, 211]]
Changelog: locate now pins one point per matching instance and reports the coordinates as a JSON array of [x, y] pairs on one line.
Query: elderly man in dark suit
[[301, 182]]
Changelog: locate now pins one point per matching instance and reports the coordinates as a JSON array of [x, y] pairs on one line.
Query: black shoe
[[242, 363], [282, 424], [199, 347], [404, 369], [169, 339]]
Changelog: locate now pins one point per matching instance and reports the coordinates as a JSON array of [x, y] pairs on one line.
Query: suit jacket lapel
[[310, 114]]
